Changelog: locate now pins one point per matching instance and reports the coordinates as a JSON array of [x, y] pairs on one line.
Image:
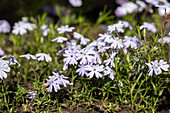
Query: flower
[[28, 56], [21, 27], [105, 37], [131, 41], [44, 28], [75, 3], [83, 40], [4, 67], [71, 57], [116, 27], [148, 26], [94, 70], [141, 4], [126, 24], [82, 70], [163, 9], [11, 60], [127, 7], [60, 39], [156, 67], [110, 60], [64, 29], [1, 52], [110, 72], [43, 56], [165, 39], [4, 26], [52, 82], [85, 55], [31, 95], [55, 81], [117, 43]]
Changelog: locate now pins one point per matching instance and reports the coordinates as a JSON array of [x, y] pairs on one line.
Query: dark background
[[13, 10]]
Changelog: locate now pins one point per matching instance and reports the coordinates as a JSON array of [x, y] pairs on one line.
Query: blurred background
[[13, 10]]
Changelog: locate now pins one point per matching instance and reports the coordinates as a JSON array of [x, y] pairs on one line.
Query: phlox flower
[[141, 4], [110, 60], [11, 60], [64, 82], [4, 26], [116, 27], [52, 82], [83, 40], [110, 72], [4, 67], [95, 70], [131, 41], [82, 70], [121, 1], [1, 52], [165, 39], [31, 95], [105, 37], [85, 55], [70, 57], [148, 26], [97, 43], [162, 65], [163, 9], [28, 56], [44, 28], [60, 39], [153, 2], [75, 3], [117, 43], [43, 56], [157, 66], [21, 27], [125, 8], [65, 28], [73, 46], [126, 24], [97, 58]]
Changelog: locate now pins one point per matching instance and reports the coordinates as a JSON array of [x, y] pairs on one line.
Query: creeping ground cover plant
[[118, 64]]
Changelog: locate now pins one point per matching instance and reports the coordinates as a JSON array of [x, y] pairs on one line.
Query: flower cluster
[[157, 67], [88, 58], [56, 81], [127, 7]]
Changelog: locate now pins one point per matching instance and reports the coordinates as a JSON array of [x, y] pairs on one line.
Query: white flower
[[28, 56], [21, 27], [64, 29], [117, 43], [44, 29], [43, 56], [94, 70], [60, 39], [11, 60], [4, 26], [75, 3], [148, 26], [110, 72], [105, 37], [157, 66], [1, 52], [4, 67], [83, 40], [116, 27]]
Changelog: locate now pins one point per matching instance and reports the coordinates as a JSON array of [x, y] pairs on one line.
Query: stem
[[5, 99]]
